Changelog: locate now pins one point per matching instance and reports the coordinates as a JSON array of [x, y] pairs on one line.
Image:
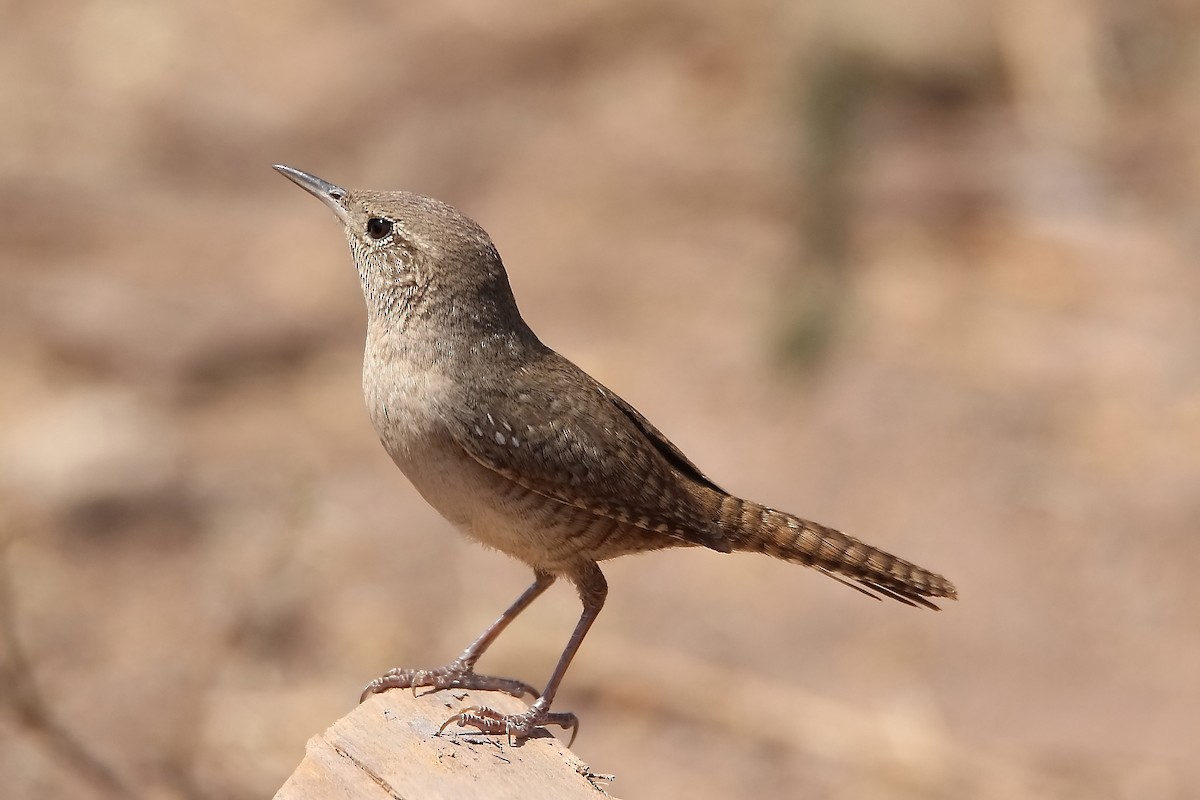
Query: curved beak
[[326, 192]]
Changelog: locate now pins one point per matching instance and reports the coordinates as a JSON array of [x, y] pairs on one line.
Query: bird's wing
[[565, 436], [665, 446]]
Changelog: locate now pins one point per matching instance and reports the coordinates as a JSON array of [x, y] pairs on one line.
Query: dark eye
[[378, 227]]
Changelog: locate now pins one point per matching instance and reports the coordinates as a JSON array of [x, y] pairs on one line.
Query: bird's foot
[[515, 726], [455, 675]]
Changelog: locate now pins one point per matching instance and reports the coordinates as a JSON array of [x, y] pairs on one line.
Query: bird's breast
[[404, 402]]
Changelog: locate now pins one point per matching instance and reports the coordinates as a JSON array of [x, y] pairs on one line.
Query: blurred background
[[923, 271]]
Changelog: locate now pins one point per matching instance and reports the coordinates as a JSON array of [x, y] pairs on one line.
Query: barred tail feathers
[[751, 527]]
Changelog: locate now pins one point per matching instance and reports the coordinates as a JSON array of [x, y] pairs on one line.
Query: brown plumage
[[523, 451]]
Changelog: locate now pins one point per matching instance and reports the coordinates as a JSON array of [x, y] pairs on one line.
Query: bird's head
[[417, 256]]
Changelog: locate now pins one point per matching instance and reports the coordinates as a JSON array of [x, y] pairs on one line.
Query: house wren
[[523, 451]]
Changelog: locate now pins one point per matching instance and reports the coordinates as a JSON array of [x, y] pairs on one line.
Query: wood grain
[[388, 747]]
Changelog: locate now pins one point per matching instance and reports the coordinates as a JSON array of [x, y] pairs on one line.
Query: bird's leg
[[592, 591], [460, 673]]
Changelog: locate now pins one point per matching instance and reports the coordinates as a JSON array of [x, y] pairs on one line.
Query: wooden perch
[[388, 749]]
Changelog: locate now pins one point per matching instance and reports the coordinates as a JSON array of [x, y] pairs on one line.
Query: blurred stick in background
[[22, 699]]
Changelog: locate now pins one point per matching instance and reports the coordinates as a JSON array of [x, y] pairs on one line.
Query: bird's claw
[[515, 726], [456, 675]]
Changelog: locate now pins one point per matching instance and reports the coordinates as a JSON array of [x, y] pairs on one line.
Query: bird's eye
[[378, 227]]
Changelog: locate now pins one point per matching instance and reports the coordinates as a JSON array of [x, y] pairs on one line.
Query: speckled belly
[[489, 508]]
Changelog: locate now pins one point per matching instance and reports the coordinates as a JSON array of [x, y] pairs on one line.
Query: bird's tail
[[754, 528]]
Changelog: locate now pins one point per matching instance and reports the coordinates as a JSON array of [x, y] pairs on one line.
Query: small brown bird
[[523, 451]]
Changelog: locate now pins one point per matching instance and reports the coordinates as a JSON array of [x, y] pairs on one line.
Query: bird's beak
[[327, 193]]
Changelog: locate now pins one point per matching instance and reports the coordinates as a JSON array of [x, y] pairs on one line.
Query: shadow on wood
[[388, 747]]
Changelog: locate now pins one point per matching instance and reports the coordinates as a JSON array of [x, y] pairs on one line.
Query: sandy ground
[[925, 274]]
